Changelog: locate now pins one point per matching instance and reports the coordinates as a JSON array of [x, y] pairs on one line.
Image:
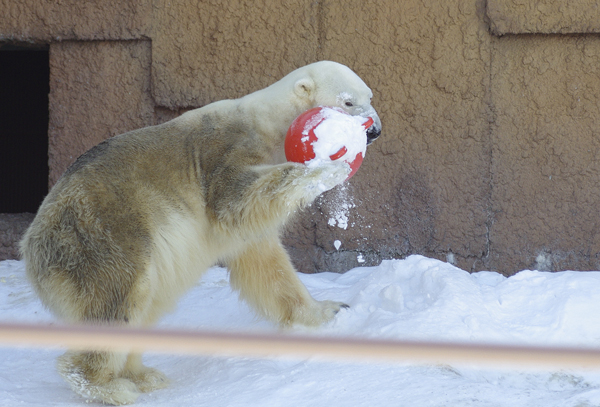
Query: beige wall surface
[[59, 20], [544, 16], [423, 187], [546, 152], [488, 157], [211, 50], [102, 89]]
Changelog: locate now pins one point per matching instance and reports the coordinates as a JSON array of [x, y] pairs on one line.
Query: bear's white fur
[[136, 220]]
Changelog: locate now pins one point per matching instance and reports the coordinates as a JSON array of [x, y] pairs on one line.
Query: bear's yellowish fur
[[136, 220]]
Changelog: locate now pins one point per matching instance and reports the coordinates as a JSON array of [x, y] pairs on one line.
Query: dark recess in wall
[[24, 88]]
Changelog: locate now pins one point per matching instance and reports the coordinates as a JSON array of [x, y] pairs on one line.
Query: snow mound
[[415, 298]]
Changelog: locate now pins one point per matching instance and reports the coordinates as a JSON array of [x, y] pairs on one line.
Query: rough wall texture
[[424, 185], [544, 16], [228, 48], [488, 157], [546, 150], [45, 21], [100, 89]]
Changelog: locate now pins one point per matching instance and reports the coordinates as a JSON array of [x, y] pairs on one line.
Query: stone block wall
[[488, 157]]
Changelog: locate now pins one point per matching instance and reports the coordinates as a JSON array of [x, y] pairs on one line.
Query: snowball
[[338, 130]]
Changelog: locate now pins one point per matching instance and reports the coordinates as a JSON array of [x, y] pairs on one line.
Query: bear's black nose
[[372, 133]]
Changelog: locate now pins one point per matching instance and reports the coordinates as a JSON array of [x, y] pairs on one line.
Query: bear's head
[[328, 83]]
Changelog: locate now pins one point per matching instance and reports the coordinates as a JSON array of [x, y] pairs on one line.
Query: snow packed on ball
[[324, 134], [336, 131]]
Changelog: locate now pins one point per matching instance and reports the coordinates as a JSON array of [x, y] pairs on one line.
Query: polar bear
[[136, 220]]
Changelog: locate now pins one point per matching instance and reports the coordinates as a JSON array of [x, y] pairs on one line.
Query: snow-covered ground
[[415, 298]]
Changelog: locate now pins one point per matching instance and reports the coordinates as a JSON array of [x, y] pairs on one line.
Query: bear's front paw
[[325, 176], [319, 312], [330, 308]]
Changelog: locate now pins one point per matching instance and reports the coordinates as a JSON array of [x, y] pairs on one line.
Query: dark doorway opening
[[24, 88]]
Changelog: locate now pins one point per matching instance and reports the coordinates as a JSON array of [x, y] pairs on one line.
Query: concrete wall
[[488, 157]]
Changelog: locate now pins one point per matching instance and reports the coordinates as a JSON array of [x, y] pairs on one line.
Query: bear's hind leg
[[146, 378], [95, 376], [266, 279]]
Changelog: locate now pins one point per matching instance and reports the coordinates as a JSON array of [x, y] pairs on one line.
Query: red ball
[[301, 136]]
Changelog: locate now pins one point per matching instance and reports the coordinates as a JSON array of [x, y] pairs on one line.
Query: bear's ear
[[304, 88]]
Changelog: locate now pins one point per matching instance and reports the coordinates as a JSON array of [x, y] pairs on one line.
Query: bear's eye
[[349, 104]]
